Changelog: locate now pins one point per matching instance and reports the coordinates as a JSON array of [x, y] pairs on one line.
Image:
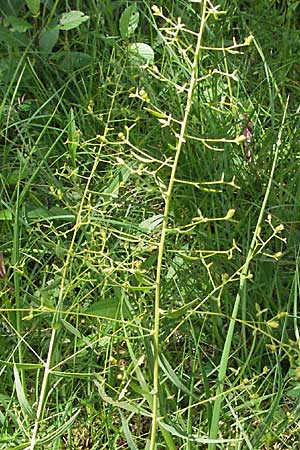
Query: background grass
[[86, 155]]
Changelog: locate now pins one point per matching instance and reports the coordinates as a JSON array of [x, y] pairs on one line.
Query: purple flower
[[247, 132]]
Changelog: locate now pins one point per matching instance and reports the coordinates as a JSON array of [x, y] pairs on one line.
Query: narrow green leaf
[[50, 437], [72, 20], [107, 308], [192, 437], [25, 406], [73, 137], [129, 21], [29, 366], [151, 223], [54, 213], [70, 328], [154, 113], [127, 433], [131, 407], [167, 369], [60, 430], [20, 446], [112, 190], [174, 267]]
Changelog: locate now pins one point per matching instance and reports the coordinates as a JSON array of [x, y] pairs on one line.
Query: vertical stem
[[43, 391], [15, 262], [161, 248], [61, 296], [214, 430]]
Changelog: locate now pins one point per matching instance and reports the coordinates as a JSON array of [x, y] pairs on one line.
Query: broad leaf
[[72, 20], [48, 39], [16, 39], [11, 7], [70, 61], [294, 392], [129, 21], [16, 24], [141, 53], [6, 214], [34, 6]]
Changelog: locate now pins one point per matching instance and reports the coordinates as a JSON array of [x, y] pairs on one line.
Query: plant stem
[[214, 430], [61, 296], [168, 197], [43, 391]]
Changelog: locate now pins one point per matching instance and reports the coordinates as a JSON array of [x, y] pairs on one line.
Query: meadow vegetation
[[150, 196]]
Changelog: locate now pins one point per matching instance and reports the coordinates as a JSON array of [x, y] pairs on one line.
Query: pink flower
[[247, 132]]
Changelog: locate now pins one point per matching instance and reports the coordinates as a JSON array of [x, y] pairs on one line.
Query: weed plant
[[149, 225]]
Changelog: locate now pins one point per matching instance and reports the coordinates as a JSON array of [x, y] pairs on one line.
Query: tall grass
[[152, 277]]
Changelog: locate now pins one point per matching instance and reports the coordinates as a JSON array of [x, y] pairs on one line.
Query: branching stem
[[214, 430], [168, 197]]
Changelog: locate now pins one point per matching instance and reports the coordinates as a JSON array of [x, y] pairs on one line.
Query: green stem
[[15, 262], [43, 392], [168, 196], [214, 430], [61, 296]]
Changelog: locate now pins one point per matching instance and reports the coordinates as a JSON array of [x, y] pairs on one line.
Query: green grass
[[152, 273]]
